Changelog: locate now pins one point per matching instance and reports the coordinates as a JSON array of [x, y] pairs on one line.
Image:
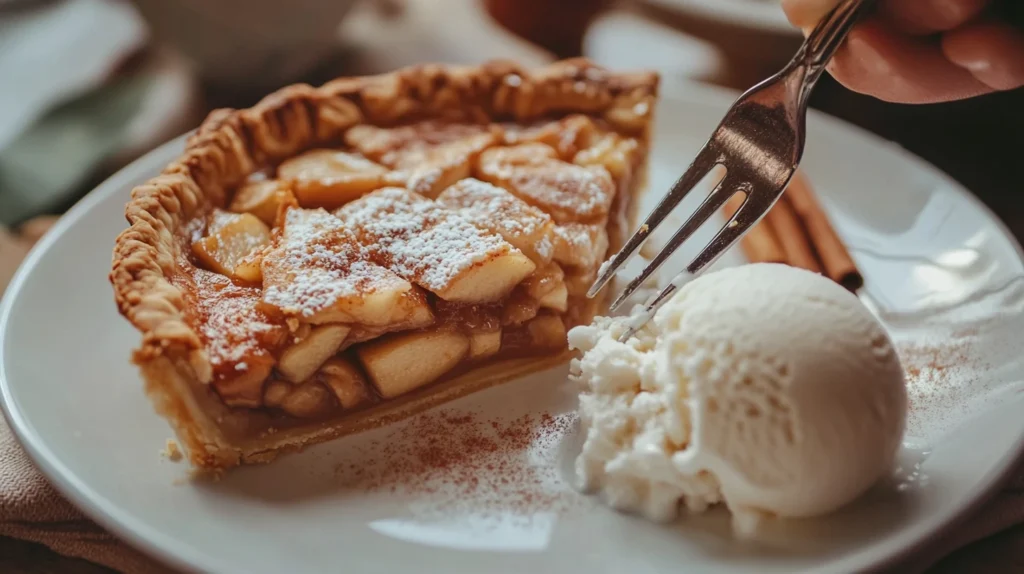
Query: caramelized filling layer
[[447, 247]]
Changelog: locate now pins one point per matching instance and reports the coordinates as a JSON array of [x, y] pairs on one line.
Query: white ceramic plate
[[762, 15], [938, 266]]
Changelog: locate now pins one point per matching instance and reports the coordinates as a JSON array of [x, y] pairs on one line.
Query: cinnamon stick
[[836, 261], [792, 236], [759, 244], [797, 232]]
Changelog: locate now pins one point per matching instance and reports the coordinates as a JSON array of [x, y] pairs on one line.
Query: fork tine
[[742, 220], [701, 166], [712, 203], [745, 217]]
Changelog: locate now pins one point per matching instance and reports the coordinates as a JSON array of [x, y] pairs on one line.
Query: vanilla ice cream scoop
[[766, 387]]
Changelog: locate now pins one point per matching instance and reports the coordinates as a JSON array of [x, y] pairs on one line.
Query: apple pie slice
[[339, 257]]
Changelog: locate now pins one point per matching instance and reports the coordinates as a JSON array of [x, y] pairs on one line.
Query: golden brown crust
[[232, 144]]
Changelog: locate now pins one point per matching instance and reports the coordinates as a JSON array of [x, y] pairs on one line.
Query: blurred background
[[86, 86]]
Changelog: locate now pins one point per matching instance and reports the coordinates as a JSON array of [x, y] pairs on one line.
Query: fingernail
[[806, 13], [949, 10], [867, 56], [976, 65]]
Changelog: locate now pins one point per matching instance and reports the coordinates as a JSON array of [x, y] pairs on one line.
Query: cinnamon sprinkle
[[462, 462], [940, 376]]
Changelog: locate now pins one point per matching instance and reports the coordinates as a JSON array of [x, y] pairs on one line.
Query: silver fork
[[759, 143]]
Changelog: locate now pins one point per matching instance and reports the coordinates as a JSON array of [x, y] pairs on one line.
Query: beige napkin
[[30, 509]]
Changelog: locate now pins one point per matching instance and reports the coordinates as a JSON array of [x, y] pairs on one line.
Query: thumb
[[804, 14]]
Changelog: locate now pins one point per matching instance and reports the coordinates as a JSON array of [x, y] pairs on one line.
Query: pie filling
[[339, 257], [346, 278]]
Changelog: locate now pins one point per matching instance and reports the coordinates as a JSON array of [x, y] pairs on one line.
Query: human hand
[[922, 51]]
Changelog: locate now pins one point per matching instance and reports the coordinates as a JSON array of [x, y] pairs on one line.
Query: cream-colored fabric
[[30, 509]]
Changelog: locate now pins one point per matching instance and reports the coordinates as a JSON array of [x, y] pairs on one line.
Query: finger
[[930, 16], [992, 51], [898, 68], [804, 14]]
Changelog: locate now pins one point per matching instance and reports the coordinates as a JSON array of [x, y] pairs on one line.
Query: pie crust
[[154, 270]]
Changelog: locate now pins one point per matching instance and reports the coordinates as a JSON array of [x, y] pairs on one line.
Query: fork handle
[[826, 37]]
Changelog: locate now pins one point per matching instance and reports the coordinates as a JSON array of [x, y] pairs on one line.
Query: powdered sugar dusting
[[219, 219], [407, 147], [494, 208], [580, 245], [316, 263], [567, 192], [248, 233], [417, 239]]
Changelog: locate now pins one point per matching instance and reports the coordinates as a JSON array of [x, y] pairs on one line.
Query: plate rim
[[141, 536], [152, 542]]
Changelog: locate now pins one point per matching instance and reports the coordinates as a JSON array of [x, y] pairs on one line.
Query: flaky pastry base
[[232, 144]]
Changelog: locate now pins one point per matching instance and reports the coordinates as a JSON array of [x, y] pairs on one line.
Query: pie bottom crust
[[171, 379], [173, 393], [177, 396]]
